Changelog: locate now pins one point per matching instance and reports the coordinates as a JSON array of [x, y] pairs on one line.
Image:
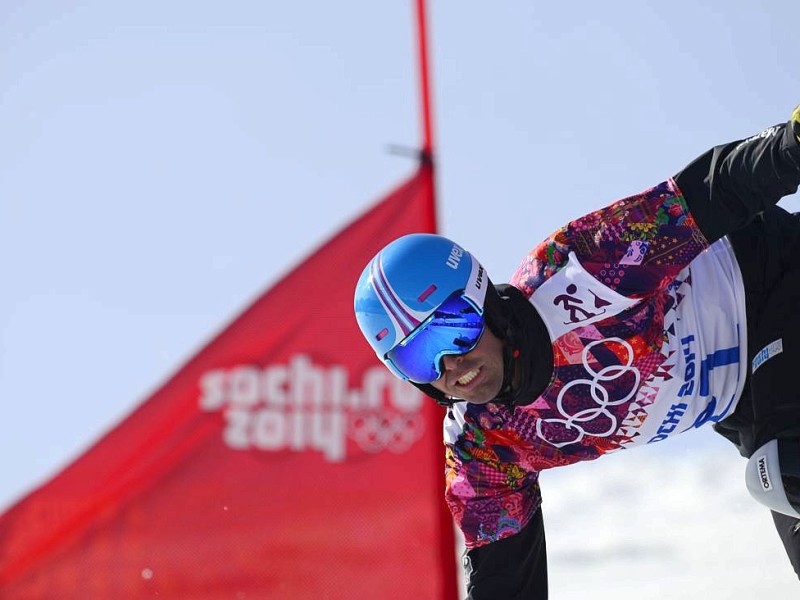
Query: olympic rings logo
[[572, 425], [375, 432]]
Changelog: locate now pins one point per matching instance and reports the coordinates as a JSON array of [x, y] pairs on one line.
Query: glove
[[796, 122]]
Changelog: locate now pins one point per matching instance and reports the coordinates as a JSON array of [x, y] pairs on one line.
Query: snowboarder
[[662, 312]]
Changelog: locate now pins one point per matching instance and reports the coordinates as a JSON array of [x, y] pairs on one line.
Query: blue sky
[[162, 163]]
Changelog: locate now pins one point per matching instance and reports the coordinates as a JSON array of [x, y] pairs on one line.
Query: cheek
[[493, 352], [490, 342]]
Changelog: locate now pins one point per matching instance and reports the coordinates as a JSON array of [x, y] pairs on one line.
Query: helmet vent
[[428, 291]]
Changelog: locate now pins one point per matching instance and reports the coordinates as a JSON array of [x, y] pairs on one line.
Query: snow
[[671, 521]]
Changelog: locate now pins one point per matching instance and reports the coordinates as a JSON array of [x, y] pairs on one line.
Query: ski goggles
[[453, 328]]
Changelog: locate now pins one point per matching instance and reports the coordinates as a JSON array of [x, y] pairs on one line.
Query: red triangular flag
[[282, 461]]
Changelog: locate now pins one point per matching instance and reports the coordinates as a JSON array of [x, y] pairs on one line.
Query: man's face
[[476, 376]]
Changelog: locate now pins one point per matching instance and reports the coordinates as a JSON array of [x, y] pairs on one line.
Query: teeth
[[467, 377]]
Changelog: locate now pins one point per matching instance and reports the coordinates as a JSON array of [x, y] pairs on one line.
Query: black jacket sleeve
[[514, 568], [726, 187]]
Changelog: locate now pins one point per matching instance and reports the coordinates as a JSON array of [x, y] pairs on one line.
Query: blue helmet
[[413, 282]]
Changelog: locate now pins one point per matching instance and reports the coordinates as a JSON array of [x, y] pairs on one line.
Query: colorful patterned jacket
[[647, 324]]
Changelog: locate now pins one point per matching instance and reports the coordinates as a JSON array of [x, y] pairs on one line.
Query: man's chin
[[476, 398], [479, 401], [479, 395], [482, 398]]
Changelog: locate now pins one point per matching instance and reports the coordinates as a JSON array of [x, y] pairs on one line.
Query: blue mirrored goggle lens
[[454, 328]]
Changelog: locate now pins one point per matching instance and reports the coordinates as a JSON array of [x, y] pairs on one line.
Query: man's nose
[[450, 361]]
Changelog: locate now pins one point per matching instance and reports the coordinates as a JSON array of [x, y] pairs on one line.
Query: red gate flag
[[282, 461]]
